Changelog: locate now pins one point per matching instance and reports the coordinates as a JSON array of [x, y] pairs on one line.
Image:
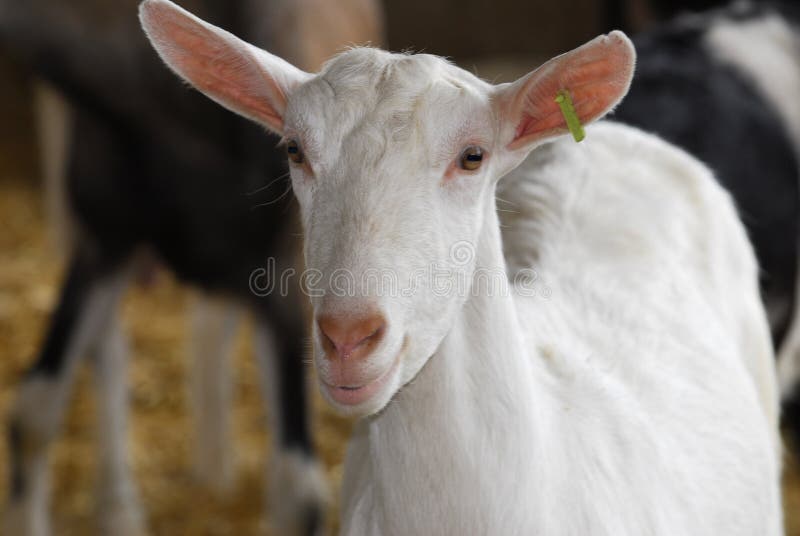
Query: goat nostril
[[327, 342], [350, 336], [374, 335]]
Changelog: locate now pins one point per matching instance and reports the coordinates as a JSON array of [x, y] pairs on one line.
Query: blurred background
[[498, 40]]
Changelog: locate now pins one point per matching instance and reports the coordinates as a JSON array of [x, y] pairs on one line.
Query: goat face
[[393, 176], [394, 159]]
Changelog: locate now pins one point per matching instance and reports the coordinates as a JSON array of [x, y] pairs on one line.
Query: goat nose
[[350, 336]]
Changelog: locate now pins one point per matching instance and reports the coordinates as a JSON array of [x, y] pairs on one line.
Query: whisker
[[288, 189], [268, 185]]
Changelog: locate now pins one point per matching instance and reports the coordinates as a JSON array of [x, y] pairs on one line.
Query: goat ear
[[597, 75], [237, 75]]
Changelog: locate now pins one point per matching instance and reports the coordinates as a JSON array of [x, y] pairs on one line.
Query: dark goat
[[725, 86], [154, 167]]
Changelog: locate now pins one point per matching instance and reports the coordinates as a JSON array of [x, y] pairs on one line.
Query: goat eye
[[471, 158], [294, 152]]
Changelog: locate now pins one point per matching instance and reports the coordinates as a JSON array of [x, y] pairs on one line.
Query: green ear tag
[[568, 110]]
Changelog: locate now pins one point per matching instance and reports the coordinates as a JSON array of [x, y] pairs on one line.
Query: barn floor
[[160, 433]]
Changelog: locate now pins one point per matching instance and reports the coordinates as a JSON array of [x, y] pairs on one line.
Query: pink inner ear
[[596, 75], [216, 63]]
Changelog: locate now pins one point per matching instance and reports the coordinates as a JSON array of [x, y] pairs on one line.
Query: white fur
[[629, 402], [40, 406], [298, 492], [639, 399], [636, 400], [297, 485], [214, 322], [767, 50], [37, 405], [117, 511]]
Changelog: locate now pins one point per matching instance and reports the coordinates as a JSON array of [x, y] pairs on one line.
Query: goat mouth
[[353, 395]]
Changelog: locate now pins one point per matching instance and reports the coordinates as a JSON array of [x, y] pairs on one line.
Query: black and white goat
[[155, 169]]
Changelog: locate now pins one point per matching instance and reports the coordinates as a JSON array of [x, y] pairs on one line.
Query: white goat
[[639, 399]]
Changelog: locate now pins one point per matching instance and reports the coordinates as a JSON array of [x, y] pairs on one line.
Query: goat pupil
[[474, 157]]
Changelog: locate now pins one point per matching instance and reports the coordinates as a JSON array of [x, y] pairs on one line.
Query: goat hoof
[[215, 473], [19, 520], [299, 495], [120, 515]]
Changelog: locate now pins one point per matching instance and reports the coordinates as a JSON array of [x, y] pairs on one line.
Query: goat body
[[715, 84], [636, 395], [638, 399]]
